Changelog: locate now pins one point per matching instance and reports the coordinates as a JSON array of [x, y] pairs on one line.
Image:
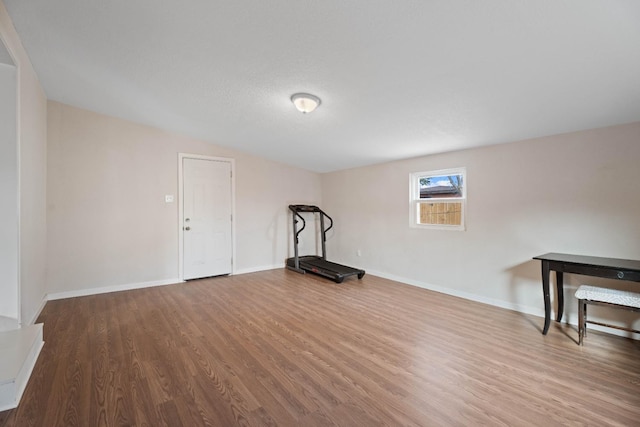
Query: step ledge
[[19, 351], [8, 324]]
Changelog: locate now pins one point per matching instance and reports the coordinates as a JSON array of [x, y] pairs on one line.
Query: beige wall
[[108, 223], [32, 152], [574, 193], [92, 212]]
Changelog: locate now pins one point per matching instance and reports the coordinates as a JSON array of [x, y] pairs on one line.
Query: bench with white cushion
[[603, 296]]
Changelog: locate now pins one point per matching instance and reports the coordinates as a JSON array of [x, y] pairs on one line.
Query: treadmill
[[314, 263]]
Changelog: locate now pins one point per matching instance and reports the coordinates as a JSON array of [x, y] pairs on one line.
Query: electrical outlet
[[359, 252], [168, 198]]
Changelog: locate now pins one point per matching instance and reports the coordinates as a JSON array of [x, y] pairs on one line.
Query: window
[[438, 199]]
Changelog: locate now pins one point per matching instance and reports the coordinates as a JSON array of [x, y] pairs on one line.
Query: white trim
[[461, 294], [19, 172], [12, 388], [16, 66], [113, 288], [30, 364], [414, 199], [35, 316], [497, 303], [232, 162], [260, 268], [131, 286]]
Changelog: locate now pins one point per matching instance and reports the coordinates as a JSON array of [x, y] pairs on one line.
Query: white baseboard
[[20, 350], [261, 268], [129, 286], [497, 303], [436, 288], [461, 294], [113, 288], [33, 319]]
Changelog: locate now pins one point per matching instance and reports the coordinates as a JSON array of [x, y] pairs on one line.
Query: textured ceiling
[[397, 79]]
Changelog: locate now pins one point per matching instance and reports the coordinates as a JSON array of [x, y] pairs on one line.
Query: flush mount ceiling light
[[305, 102]]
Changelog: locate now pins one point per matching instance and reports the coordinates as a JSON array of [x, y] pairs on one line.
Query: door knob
[[187, 228]]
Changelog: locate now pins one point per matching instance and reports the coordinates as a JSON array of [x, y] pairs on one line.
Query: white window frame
[[414, 199]]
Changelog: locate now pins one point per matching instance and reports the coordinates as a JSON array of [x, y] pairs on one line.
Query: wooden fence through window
[[446, 213]]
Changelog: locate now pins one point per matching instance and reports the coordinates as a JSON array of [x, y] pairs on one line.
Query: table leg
[[559, 295], [547, 298]]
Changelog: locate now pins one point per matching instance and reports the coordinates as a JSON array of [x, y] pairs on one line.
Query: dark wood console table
[[610, 268]]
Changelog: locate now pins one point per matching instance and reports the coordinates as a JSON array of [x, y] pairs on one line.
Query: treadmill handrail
[[296, 209], [305, 208], [304, 224], [314, 263], [330, 225]]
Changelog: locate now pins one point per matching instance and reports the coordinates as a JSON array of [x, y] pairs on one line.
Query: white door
[[207, 218]]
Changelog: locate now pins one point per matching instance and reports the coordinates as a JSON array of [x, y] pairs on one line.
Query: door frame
[[16, 299], [232, 163]]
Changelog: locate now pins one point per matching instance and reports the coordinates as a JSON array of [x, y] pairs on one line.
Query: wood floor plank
[[277, 348]]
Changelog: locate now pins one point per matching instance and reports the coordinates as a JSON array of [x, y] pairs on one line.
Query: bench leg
[[582, 308], [584, 332]]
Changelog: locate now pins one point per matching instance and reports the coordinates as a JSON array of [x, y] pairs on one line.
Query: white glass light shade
[[305, 102]]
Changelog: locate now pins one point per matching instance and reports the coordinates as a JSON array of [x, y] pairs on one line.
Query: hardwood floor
[[279, 348]]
